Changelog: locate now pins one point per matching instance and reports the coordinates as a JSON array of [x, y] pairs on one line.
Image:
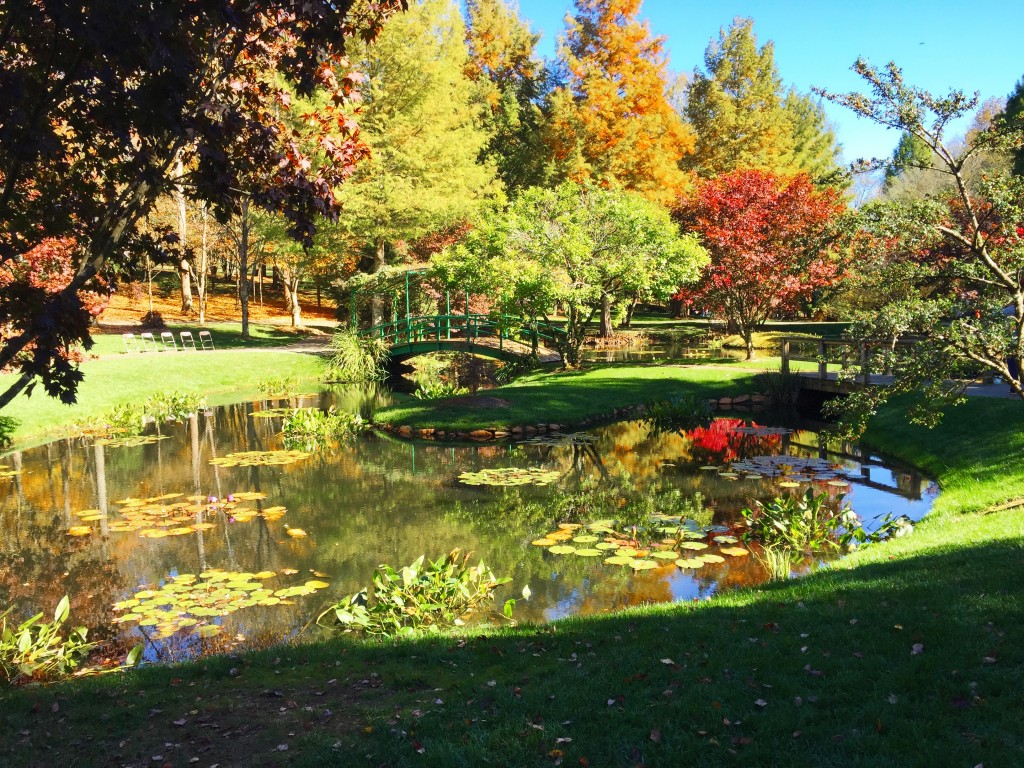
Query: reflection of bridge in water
[[910, 483]]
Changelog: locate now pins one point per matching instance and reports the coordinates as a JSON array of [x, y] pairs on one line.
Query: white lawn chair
[[148, 342], [130, 343], [167, 338], [187, 341], [206, 337]]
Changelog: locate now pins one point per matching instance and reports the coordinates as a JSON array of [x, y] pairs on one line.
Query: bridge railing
[[419, 328], [866, 358]]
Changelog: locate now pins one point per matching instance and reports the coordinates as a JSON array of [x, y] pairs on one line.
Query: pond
[[101, 522]]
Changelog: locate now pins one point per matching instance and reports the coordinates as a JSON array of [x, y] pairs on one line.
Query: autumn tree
[[99, 100], [614, 122], [423, 128], [1013, 119], [510, 82], [772, 240], [976, 239], [744, 119], [582, 247]]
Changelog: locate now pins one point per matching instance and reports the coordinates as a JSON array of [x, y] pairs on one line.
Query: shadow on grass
[[915, 662]]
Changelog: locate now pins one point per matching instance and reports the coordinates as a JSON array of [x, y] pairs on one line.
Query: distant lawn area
[[569, 397], [108, 341], [111, 381]]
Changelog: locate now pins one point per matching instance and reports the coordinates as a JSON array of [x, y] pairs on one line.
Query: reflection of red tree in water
[[721, 443]]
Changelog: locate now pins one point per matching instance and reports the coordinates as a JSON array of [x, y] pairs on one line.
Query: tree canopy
[[614, 122], [98, 101], [578, 246]]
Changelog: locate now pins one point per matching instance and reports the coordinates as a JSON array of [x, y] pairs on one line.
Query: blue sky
[[939, 44]]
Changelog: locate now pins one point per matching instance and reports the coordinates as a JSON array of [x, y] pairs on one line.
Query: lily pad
[[643, 565], [619, 560], [664, 555], [544, 542], [734, 551], [690, 562], [726, 539], [693, 545], [588, 553], [260, 458], [562, 549], [509, 476], [606, 545], [709, 558], [586, 539]]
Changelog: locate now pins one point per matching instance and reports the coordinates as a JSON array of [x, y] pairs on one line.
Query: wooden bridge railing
[[864, 356]]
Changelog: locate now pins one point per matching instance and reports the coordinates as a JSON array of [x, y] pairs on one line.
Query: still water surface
[[376, 500]]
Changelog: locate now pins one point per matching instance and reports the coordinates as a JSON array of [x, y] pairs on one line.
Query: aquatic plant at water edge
[[679, 414], [356, 358], [36, 650], [310, 429], [814, 523], [436, 390], [777, 561], [426, 595], [173, 406], [278, 386]]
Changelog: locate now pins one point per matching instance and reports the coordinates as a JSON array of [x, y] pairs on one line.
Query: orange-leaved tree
[[615, 122]]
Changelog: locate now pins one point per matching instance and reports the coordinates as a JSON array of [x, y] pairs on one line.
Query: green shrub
[[35, 649], [356, 358], [781, 389], [427, 595], [7, 426], [311, 429], [510, 370], [436, 390], [278, 386], [173, 406]]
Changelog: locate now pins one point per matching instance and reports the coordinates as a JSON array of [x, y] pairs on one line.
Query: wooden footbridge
[[843, 365], [499, 336]]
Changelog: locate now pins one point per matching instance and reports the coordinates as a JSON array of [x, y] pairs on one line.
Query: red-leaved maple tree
[[774, 242]]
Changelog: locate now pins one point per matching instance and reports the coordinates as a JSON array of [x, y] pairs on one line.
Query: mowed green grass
[[568, 397], [909, 653], [111, 381]]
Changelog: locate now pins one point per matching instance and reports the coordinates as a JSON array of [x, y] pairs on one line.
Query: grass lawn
[[909, 653], [567, 397], [111, 381]]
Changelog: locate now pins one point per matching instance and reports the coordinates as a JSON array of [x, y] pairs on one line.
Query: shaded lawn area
[[916, 661], [132, 378], [568, 397]]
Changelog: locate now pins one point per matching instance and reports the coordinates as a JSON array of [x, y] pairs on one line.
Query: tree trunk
[[628, 322], [243, 267], [377, 303], [204, 265], [606, 316], [185, 270], [183, 266], [748, 337]]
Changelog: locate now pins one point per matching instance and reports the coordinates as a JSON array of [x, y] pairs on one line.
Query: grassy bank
[[909, 653], [111, 381], [568, 397]]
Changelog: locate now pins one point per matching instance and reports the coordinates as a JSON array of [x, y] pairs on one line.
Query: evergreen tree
[[744, 120], [815, 151], [614, 122], [910, 152], [423, 127], [510, 81], [1014, 116]]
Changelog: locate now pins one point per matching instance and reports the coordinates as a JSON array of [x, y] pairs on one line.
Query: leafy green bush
[[814, 523], [278, 386], [426, 595], [173, 406], [510, 370], [356, 358], [35, 649], [311, 429], [436, 390], [7, 426], [679, 414]]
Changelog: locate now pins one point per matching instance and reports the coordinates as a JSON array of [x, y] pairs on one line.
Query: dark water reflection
[[374, 500]]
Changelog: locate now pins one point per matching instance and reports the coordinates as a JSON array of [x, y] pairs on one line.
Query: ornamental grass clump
[[356, 358], [424, 596]]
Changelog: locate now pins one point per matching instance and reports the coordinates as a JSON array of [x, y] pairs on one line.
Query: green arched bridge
[[503, 337]]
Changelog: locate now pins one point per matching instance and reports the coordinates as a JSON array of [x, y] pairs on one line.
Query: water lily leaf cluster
[[671, 541], [7, 471], [132, 441], [509, 476], [155, 518], [260, 458], [188, 601]]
